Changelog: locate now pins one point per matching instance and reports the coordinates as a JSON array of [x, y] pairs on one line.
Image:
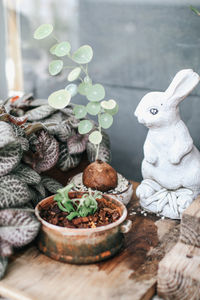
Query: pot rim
[[82, 230]]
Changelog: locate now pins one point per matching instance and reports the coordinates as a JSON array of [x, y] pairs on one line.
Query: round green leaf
[[110, 106], [85, 126], [83, 55], [62, 49], [113, 111], [72, 88], [43, 31], [74, 74], [105, 120], [55, 66], [83, 88], [95, 137], [59, 99], [93, 108], [96, 92], [80, 111], [53, 48]]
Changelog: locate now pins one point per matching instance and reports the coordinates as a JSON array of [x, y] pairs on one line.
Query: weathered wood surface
[[129, 275], [190, 224], [179, 273]]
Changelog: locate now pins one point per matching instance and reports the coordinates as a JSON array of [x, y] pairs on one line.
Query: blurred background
[[139, 45]]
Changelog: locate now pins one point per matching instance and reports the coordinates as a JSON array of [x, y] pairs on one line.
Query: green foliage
[[84, 87], [62, 49], [83, 55], [95, 93], [43, 31], [85, 126], [80, 111], [53, 48], [72, 89], [95, 137], [74, 74], [59, 99], [105, 120], [77, 207], [110, 106], [55, 67], [93, 108], [195, 10]]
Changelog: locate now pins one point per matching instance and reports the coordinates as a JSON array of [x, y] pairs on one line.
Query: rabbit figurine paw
[[147, 188], [171, 164], [161, 201]]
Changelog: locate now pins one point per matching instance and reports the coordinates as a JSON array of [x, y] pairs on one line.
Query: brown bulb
[[100, 176]]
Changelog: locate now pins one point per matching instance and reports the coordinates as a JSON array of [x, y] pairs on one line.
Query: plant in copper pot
[[81, 227], [99, 174], [82, 223]]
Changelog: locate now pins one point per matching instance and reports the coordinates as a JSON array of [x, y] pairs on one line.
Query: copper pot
[[82, 246]]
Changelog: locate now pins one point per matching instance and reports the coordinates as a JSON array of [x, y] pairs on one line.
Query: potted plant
[[99, 174], [80, 227]]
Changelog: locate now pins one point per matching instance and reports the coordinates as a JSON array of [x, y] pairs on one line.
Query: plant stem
[[55, 38], [85, 70], [97, 152], [98, 146]]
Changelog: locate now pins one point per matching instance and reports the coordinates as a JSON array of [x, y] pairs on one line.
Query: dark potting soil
[[106, 213]]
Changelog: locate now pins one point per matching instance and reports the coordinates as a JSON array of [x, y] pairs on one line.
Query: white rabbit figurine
[[171, 165]]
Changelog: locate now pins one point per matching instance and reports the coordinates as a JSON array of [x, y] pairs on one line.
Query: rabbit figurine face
[[155, 111], [171, 165]]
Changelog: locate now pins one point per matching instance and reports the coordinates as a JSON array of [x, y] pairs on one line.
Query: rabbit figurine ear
[[182, 84]]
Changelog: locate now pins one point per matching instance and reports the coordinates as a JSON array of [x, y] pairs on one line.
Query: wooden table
[[129, 275]]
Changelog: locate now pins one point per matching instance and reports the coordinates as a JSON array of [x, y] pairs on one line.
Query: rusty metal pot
[[82, 246]]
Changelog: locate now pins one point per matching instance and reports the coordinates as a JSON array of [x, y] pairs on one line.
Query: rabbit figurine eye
[[153, 111]]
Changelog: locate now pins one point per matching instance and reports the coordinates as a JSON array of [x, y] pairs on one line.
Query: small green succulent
[[77, 207], [95, 93]]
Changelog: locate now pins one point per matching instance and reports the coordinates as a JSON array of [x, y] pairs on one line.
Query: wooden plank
[[14, 45], [179, 273], [190, 224], [129, 275]]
